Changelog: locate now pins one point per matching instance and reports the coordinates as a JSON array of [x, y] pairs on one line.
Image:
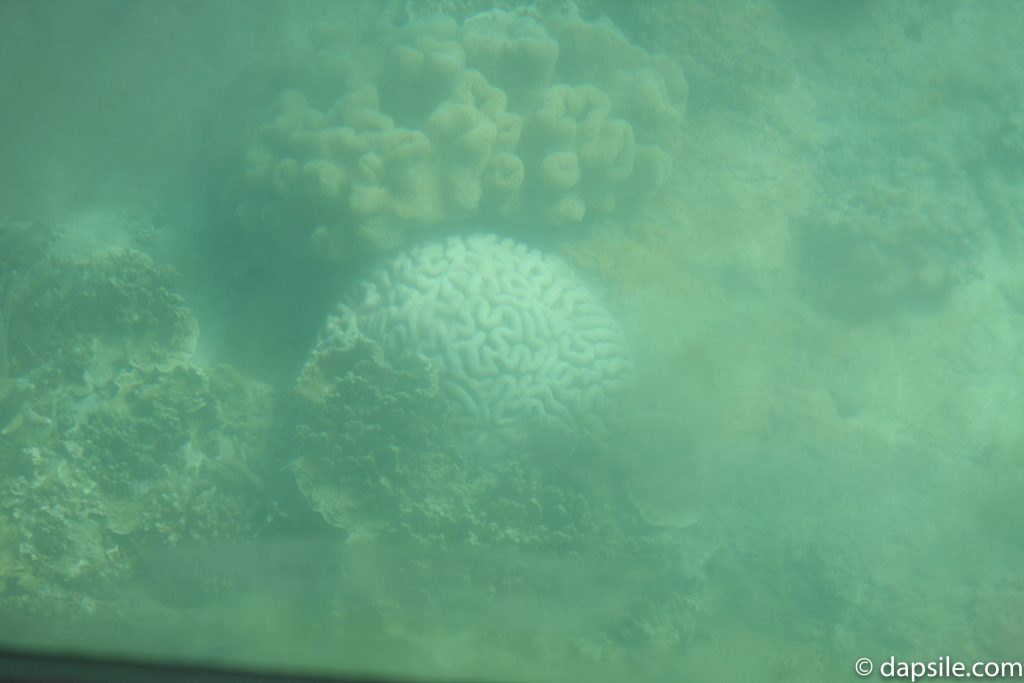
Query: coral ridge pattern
[[515, 335]]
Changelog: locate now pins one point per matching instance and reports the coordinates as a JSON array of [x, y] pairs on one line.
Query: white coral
[[516, 337]]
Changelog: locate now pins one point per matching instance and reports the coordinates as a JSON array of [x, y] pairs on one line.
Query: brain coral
[[531, 119], [517, 339]]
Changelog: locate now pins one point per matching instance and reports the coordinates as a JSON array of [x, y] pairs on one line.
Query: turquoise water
[[744, 404]]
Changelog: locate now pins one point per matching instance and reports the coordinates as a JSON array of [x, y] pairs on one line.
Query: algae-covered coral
[[546, 121], [445, 543], [111, 440], [896, 241]]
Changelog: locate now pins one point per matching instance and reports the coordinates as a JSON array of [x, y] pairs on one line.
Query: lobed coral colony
[[540, 122]]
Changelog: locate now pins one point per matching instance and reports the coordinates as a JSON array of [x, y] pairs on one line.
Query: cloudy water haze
[[460, 340]]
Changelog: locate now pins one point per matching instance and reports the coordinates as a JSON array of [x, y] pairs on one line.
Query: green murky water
[[733, 394]]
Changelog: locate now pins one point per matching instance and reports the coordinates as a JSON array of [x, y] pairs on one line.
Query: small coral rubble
[[541, 120]]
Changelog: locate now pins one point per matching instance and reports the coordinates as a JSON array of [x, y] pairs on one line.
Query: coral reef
[[354, 419], [24, 244], [737, 54], [542, 121], [900, 240], [111, 440], [518, 341], [485, 336], [445, 545]]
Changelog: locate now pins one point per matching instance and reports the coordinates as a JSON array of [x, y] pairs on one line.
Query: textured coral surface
[[112, 443], [823, 455], [517, 338], [448, 541], [540, 120]]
